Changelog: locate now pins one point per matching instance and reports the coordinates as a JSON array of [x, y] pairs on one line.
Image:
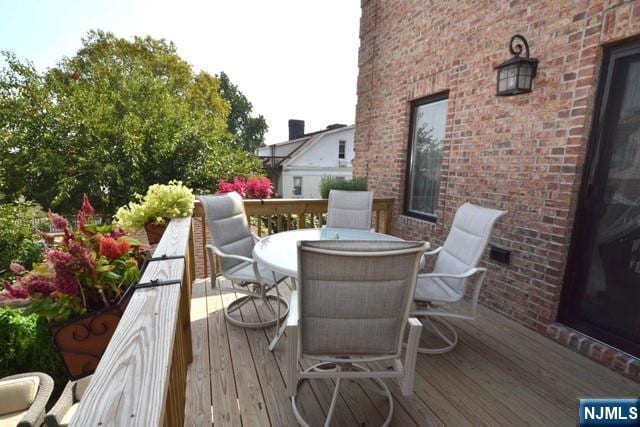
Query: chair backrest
[[228, 226], [350, 209], [466, 242], [355, 296]]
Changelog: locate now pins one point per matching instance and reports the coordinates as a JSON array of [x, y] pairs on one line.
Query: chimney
[[296, 129]]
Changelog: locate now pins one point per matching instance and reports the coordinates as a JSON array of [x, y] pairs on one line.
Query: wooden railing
[[141, 378], [274, 215]]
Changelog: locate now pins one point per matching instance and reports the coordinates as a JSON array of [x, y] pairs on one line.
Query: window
[[428, 121], [297, 186], [342, 145]]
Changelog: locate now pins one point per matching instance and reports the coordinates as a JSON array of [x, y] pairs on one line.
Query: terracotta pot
[[155, 232], [82, 341]]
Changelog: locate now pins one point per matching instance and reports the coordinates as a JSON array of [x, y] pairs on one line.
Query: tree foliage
[[247, 132], [110, 121]]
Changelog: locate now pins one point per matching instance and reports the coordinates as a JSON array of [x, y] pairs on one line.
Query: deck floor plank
[[500, 374]]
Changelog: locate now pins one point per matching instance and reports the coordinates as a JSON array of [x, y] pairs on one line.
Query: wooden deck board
[[500, 374]]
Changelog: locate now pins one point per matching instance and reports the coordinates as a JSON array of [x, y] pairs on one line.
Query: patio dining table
[[279, 252]]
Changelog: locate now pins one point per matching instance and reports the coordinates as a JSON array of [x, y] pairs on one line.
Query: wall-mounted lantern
[[515, 76]]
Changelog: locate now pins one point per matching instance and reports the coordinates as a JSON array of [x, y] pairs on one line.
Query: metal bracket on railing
[[157, 282], [165, 257]]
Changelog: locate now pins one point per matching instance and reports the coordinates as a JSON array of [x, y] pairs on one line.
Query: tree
[[247, 131], [117, 117]]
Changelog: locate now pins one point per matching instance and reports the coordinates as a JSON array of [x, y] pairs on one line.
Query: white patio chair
[[352, 307], [454, 268], [350, 209], [233, 243]]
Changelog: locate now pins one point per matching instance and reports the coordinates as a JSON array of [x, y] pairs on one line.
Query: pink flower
[[16, 268], [17, 292], [116, 233], [57, 221], [81, 220], [259, 188], [36, 283], [67, 284], [60, 261], [83, 257], [86, 208]]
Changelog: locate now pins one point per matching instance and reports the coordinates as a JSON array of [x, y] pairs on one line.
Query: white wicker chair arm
[[293, 318], [433, 252]]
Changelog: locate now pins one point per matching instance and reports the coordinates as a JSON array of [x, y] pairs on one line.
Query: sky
[[293, 59]]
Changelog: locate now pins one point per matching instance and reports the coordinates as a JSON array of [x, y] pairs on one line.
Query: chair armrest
[[294, 315], [65, 401], [433, 252], [35, 414], [464, 275], [225, 255], [256, 238]]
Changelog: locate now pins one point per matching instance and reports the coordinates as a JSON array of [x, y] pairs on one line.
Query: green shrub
[[27, 347], [329, 183], [17, 239]]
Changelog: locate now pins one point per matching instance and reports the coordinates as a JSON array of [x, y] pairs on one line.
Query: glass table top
[[279, 251]]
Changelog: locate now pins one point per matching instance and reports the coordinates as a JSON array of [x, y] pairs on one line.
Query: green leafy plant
[[161, 202], [27, 346], [17, 238], [329, 183]]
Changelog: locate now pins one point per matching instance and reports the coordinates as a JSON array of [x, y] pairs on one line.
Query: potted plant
[[153, 210], [81, 287]]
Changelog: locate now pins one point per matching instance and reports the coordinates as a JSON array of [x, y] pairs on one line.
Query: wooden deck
[[500, 374]]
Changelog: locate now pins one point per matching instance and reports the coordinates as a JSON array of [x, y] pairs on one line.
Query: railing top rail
[[130, 384]]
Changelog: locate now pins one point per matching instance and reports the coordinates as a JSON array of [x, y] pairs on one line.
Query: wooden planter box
[[82, 340]]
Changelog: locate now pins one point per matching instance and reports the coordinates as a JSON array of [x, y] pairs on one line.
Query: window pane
[[341, 149], [426, 156], [297, 185]]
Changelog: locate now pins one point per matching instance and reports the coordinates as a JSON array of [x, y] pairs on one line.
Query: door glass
[[612, 290]]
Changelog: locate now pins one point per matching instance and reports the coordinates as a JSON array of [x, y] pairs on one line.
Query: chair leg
[[444, 330], [236, 304], [331, 367]]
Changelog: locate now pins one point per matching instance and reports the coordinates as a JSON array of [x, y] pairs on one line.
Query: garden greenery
[[329, 183], [116, 117], [17, 239]]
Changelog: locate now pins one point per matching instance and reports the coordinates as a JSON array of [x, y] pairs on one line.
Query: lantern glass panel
[[524, 76], [508, 77]]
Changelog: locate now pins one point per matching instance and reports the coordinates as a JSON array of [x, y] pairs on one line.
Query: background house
[[562, 159], [297, 166]]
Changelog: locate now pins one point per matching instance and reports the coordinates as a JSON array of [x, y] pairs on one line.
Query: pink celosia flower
[[80, 219], [83, 257], [16, 268], [57, 221], [116, 233], [86, 208], [259, 188], [67, 284], [36, 283], [60, 261], [16, 292]]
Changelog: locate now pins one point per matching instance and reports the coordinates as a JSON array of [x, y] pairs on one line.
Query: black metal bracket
[[157, 282], [165, 257]]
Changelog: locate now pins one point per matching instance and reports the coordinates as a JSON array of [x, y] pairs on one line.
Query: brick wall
[[522, 153]]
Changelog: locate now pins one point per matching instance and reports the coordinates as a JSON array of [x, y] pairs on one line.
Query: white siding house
[[325, 153]]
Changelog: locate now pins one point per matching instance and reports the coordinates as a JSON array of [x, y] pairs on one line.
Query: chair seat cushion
[[18, 394], [434, 289], [245, 273], [66, 420], [12, 419]]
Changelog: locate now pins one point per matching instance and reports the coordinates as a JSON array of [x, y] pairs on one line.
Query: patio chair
[[351, 308], [350, 209], [23, 399], [454, 269], [233, 243], [64, 409]]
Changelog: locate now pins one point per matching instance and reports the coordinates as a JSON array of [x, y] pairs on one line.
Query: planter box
[[155, 232], [82, 341]]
